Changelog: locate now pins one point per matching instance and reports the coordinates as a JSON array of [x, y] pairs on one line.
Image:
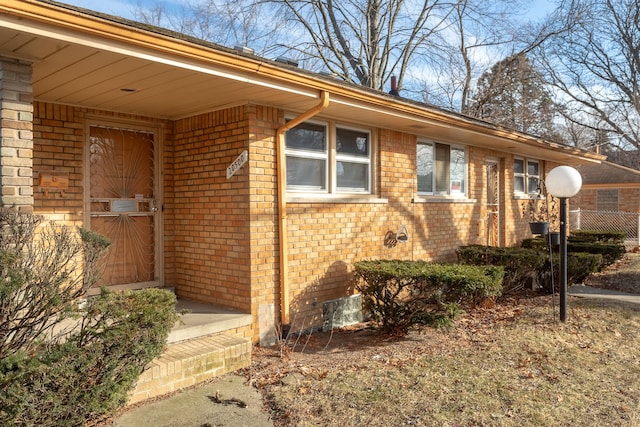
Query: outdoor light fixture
[[563, 182]]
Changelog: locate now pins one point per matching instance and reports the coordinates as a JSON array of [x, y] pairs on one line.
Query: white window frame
[[434, 184], [312, 155], [350, 158], [528, 192], [332, 158]]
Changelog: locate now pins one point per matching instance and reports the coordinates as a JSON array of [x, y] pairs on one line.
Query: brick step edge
[[187, 363]]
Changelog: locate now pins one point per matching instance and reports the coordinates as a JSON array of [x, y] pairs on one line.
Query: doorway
[[493, 203], [123, 203]]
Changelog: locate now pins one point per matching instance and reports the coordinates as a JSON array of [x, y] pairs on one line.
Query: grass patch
[[506, 366]]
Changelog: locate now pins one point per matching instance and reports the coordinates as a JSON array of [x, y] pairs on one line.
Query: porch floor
[[204, 319], [199, 347]]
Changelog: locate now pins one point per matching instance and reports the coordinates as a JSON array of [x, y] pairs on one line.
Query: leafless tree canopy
[[596, 68], [366, 41]]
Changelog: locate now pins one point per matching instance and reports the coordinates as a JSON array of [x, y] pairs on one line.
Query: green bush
[[62, 364], [579, 266], [611, 252], [598, 236], [521, 265], [540, 243], [399, 294], [88, 375]]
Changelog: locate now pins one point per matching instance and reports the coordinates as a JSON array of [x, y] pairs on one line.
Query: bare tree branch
[[596, 68]]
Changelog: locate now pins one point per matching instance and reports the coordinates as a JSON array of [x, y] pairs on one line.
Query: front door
[[123, 204], [493, 203]]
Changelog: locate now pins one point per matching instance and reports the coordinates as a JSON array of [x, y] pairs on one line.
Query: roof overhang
[[86, 59]]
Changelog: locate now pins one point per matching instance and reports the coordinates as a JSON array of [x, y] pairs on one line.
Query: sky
[[126, 8]]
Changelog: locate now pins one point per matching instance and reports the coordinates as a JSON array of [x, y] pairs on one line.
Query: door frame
[[499, 197], [158, 177]]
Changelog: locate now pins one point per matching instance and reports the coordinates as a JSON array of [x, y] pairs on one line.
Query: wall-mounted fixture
[[53, 182], [402, 235]]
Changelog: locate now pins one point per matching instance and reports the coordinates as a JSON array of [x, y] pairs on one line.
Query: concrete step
[[202, 319], [190, 362], [206, 342]]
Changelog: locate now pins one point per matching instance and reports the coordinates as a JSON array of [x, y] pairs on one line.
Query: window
[[352, 160], [442, 169], [307, 157], [607, 200], [328, 159], [526, 176]]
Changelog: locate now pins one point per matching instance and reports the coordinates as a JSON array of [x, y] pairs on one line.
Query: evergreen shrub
[[89, 375], [521, 265], [399, 294], [64, 363]]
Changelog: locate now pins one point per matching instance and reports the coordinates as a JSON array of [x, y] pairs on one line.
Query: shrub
[[40, 278], [56, 376], [89, 375], [521, 265], [399, 294], [579, 266], [611, 252], [598, 236], [537, 243]]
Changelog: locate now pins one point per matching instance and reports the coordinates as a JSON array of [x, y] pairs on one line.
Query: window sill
[[335, 198], [442, 199], [526, 197]]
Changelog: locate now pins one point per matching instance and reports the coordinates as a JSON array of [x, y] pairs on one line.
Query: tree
[[596, 68], [476, 31], [434, 48], [366, 41], [245, 23], [359, 41], [513, 94]]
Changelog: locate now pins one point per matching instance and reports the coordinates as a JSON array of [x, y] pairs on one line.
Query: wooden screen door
[[493, 203], [123, 204]]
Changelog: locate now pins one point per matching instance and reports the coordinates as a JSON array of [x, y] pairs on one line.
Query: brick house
[[609, 200], [241, 181], [608, 187]]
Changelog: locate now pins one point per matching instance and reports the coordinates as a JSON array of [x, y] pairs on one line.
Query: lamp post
[[563, 182]]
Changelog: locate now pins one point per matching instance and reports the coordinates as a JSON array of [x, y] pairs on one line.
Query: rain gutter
[[282, 202]]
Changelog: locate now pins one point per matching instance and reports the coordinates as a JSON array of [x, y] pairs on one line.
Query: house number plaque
[[237, 163]]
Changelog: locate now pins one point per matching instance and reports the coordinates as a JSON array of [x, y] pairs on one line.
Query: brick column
[[16, 135]]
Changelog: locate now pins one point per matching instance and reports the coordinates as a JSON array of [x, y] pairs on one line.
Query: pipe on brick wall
[[282, 201]]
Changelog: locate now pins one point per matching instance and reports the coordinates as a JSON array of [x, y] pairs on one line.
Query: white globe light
[[563, 182]]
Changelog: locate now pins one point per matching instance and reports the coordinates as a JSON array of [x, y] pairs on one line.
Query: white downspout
[[282, 202]]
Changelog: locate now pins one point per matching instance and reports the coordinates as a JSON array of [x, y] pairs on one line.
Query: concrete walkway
[[591, 292], [227, 401]]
